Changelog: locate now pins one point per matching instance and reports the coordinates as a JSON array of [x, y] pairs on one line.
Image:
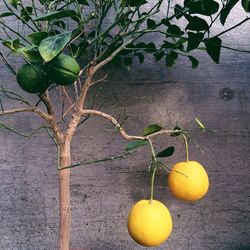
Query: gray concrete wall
[[103, 194]]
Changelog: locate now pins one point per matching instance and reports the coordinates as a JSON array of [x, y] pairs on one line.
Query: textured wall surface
[[103, 194]]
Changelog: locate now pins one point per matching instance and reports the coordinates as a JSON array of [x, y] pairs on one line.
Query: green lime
[[31, 78], [63, 70]]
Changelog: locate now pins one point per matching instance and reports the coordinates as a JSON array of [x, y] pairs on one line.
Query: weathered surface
[[103, 194]]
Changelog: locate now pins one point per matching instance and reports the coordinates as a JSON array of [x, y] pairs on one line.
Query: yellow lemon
[[188, 181], [149, 223]]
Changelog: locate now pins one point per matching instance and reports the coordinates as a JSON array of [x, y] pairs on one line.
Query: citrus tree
[[101, 32]]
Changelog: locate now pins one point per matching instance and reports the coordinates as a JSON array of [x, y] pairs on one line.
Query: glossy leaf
[[226, 10], [53, 45], [246, 5], [194, 62], [37, 37], [55, 15], [151, 129], [30, 53], [194, 40], [213, 46], [166, 152], [135, 144]]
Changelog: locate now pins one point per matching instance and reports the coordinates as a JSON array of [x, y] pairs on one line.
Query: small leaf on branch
[[194, 62], [135, 144], [166, 152], [174, 30], [158, 55], [5, 14], [152, 129], [246, 5], [171, 59], [194, 40], [165, 22], [83, 2], [140, 57], [213, 46], [56, 15], [26, 13], [196, 23], [51, 46], [226, 10], [134, 3], [151, 24]]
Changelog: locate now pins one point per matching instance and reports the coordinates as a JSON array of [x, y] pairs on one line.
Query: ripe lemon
[[63, 70], [188, 181], [149, 223], [31, 78]]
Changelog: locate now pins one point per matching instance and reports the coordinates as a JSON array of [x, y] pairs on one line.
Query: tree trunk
[[64, 197]]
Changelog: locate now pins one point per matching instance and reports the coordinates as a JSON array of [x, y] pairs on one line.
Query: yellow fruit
[[188, 181], [149, 223]]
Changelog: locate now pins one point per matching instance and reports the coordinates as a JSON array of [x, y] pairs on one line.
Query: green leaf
[[196, 23], [199, 123], [194, 40], [226, 10], [166, 152], [178, 11], [56, 15], [135, 144], [37, 37], [194, 62], [174, 30], [151, 24], [150, 47], [14, 3], [203, 7], [133, 3], [246, 5], [53, 45], [151, 129], [30, 53], [158, 55], [5, 14], [26, 13], [140, 57], [13, 45], [165, 21], [171, 59], [213, 46], [128, 61], [83, 2]]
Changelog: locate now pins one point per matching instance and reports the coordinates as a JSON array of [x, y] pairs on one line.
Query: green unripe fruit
[[63, 70], [31, 78]]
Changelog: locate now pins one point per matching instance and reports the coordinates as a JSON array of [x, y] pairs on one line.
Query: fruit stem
[[152, 183], [154, 167], [186, 146]]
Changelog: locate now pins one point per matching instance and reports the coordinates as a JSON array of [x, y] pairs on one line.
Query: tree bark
[[64, 197]]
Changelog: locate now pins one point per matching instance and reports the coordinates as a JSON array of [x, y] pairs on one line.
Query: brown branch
[[114, 121], [99, 80], [13, 111]]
